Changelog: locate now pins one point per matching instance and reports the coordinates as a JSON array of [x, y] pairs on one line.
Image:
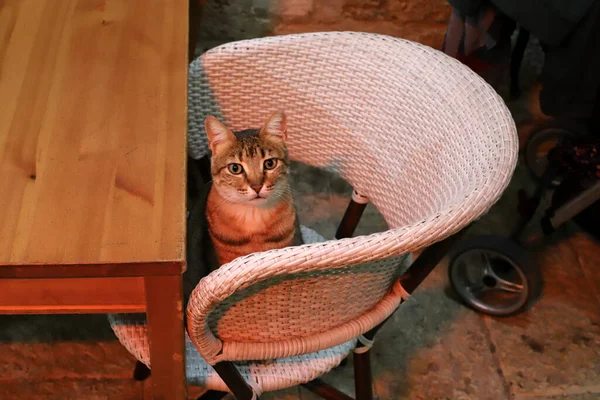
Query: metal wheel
[[543, 138], [494, 276]]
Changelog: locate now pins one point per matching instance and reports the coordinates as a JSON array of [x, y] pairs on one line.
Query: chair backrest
[[425, 139]]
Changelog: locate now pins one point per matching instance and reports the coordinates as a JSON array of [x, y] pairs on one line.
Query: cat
[[248, 206]]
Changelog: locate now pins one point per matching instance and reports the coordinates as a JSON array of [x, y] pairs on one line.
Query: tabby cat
[[248, 207]]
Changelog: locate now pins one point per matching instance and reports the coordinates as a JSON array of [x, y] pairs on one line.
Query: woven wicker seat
[[416, 133]]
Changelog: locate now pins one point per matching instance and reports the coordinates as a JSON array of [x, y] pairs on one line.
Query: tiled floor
[[433, 348]]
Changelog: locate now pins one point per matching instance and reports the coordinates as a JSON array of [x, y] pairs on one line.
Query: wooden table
[[92, 164]]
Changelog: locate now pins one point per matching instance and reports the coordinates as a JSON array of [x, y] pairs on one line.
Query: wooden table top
[[92, 137]]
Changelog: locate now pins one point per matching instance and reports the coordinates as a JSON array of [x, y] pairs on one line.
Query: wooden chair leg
[[363, 380], [141, 371]]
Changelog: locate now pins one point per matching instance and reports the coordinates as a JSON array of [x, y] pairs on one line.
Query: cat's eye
[[235, 168], [271, 163]]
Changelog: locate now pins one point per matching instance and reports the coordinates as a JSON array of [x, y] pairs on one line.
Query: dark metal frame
[[554, 217]]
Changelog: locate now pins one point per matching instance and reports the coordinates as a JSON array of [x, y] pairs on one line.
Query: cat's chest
[[253, 225], [260, 224]]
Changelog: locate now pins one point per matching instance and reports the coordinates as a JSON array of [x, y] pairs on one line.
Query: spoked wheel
[[543, 138], [494, 276]]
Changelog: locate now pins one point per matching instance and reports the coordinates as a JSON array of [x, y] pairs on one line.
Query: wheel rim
[[489, 281]]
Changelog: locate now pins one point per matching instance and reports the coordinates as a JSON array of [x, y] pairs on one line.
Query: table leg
[[166, 334]]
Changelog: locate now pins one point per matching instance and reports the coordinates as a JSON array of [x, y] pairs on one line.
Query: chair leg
[[325, 391], [363, 381], [141, 371], [212, 395], [234, 380], [350, 220]]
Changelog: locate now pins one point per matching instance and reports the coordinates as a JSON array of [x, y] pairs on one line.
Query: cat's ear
[[276, 125], [217, 132]]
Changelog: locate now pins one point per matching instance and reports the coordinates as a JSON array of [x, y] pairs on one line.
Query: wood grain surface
[[93, 97]]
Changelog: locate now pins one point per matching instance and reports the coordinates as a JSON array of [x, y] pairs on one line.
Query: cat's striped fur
[[250, 206]]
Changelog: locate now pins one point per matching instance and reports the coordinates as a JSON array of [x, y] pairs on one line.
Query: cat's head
[[250, 166]]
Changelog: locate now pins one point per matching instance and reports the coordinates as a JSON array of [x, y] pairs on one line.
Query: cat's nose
[[256, 188]]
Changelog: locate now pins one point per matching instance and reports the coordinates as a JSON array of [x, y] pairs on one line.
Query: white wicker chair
[[415, 132]]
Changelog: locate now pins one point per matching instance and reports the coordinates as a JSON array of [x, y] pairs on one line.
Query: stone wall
[[423, 21]]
